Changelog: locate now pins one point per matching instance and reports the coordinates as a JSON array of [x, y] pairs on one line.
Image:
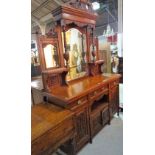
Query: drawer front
[[52, 138], [79, 102], [98, 92], [114, 83]]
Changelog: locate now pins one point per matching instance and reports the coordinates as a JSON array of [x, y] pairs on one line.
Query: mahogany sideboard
[[73, 79], [52, 126], [93, 99]]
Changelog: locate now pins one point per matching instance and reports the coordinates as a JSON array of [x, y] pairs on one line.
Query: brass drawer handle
[[95, 92], [115, 83], [79, 102], [103, 88]]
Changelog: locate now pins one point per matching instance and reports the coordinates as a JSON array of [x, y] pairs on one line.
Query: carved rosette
[[81, 4]]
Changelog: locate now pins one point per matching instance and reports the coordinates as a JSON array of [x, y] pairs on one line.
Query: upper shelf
[[79, 11]]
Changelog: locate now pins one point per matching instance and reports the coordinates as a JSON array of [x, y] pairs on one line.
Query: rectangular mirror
[[49, 54], [76, 46], [51, 57]]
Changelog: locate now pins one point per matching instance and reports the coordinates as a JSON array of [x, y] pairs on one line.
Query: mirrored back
[[76, 47], [51, 56]]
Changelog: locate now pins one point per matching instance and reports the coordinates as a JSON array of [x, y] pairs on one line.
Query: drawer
[[80, 101], [53, 137], [103, 89], [114, 83], [98, 92]]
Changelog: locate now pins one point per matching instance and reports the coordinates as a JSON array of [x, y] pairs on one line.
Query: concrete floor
[[109, 141]]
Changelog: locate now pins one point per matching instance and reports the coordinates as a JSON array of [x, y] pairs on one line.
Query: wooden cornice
[[66, 12]]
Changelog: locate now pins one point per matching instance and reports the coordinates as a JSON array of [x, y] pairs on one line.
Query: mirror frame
[[43, 42]]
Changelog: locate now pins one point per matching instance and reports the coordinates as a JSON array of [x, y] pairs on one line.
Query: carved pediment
[[82, 4], [75, 11]]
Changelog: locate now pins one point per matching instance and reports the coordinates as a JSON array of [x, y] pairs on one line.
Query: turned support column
[[93, 46], [66, 54]]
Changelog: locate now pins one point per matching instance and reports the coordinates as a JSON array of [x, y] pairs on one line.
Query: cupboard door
[[82, 128], [96, 123], [114, 100], [99, 118], [105, 116]]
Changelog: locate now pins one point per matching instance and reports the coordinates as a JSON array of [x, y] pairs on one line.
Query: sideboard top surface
[[45, 117], [81, 87]]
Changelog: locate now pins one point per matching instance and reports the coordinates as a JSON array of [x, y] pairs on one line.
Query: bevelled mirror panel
[[76, 46], [51, 56]]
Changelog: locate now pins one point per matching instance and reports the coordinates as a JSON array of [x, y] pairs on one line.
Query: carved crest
[[82, 4], [79, 12]]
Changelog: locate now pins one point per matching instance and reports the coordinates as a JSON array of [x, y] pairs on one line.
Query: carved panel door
[[82, 128], [114, 100]]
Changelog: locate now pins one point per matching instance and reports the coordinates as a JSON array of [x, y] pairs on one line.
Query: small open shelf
[[101, 103]]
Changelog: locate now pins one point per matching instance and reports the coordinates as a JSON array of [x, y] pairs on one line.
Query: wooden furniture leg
[[72, 144]]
